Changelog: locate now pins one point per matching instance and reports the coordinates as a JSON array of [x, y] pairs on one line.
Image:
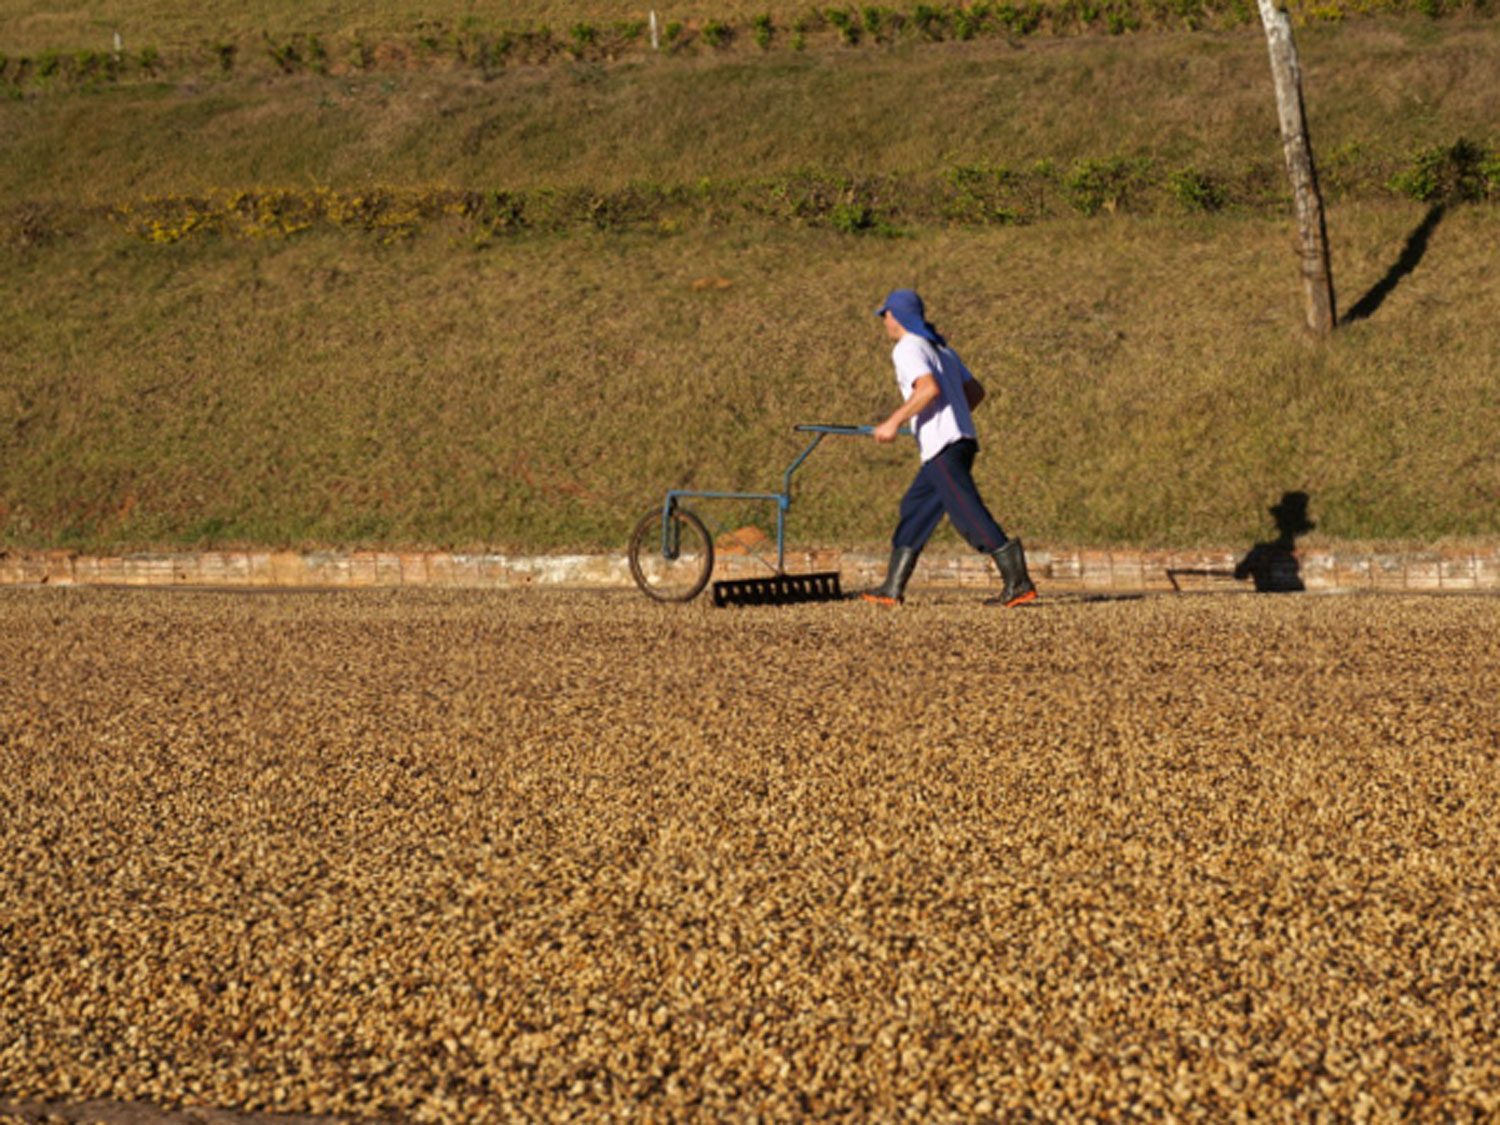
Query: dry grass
[[464, 857], [537, 392], [1150, 383], [1377, 92], [37, 25]]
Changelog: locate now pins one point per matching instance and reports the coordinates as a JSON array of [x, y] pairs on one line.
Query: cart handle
[[821, 428], [819, 432]]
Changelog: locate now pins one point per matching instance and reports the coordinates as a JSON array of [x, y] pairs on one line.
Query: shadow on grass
[[1411, 255], [1273, 565]]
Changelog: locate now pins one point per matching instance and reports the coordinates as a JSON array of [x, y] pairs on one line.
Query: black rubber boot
[[903, 562], [1010, 560]]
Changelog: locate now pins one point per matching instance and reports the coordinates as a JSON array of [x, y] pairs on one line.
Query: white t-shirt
[[946, 419]]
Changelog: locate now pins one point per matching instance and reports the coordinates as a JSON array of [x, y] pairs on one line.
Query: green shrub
[[852, 217], [1120, 18], [1023, 20], [95, 64], [1460, 172], [583, 37], [967, 22], [1237, 13], [930, 22], [1079, 13], [717, 34], [1195, 191], [1490, 170], [1190, 13], [981, 193], [149, 60], [848, 27], [286, 56], [1095, 185], [317, 54], [764, 30]]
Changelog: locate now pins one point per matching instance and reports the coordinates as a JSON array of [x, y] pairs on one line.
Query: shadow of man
[[1273, 565]]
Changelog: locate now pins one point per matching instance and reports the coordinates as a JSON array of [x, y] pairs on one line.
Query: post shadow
[[1411, 255], [1273, 564]]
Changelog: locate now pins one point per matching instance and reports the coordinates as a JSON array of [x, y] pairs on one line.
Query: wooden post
[[1307, 203]]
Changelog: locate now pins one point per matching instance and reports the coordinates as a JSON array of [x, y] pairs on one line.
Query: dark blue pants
[[945, 485]]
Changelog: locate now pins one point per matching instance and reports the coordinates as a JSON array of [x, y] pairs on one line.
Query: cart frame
[[673, 514]]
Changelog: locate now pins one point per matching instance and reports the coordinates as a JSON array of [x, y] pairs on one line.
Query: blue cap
[[906, 307]]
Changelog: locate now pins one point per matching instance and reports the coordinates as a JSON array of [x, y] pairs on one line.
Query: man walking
[[939, 394]]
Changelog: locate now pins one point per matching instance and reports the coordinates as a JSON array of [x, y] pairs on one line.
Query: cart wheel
[[681, 573]]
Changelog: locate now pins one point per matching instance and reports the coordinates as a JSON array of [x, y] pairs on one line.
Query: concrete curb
[[1456, 570]]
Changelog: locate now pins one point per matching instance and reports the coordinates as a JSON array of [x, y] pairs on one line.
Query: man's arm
[[924, 392], [973, 392]]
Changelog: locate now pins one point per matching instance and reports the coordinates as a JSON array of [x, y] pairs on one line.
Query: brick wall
[[1475, 569]]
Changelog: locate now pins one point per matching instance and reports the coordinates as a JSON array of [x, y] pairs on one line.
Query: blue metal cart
[[672, 553]]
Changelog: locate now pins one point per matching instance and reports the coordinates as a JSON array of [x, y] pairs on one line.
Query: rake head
[[783, 589]]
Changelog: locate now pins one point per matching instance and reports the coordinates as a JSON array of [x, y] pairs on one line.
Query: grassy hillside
[[438, 29], [1379, 93], [430, 306]]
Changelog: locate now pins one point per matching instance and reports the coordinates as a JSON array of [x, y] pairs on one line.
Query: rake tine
[[783, 589]]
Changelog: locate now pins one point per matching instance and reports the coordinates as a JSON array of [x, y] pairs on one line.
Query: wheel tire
[[671, 580]]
